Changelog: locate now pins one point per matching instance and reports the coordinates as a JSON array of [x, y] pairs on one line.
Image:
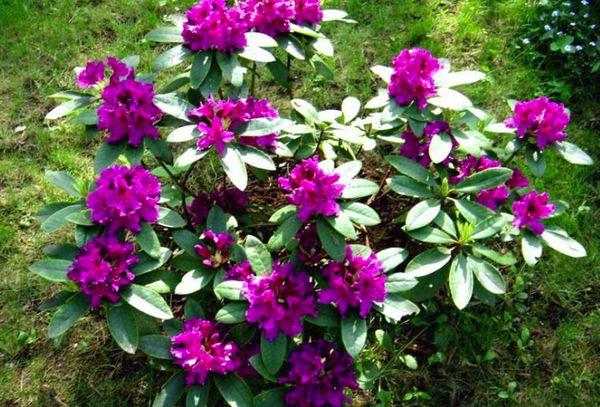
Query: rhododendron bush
[[272, 303]]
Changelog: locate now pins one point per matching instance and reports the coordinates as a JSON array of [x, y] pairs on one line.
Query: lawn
[[537, 346]]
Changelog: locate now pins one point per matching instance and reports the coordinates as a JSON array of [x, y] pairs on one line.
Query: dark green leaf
[[333, 242], [172, 57], [461, 282], [51, 269], [165, 34], [197, 396], [157, 346], [234, 390], [148, 240], [230, 290], [273, 352], [212, 82], [232, 313], [173, 105], [63, 181], [171, 392], [200, 68], [59, 218], [194, 281], [486, 179], [169, 218], [354, 334], [258, 255], [406, 186], [146, 300], [68, 314], [123, 327], [107, 154]]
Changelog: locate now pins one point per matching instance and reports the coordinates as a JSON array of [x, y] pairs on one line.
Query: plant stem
[[253, 81], [510, 157], [319, 141]]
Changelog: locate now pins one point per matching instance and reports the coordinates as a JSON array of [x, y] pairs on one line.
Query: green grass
[[538, 346]]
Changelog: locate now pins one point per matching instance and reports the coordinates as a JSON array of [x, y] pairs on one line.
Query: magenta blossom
[[214, 249], [120, 70], [231, 200], [124, 198], [219, 119], [308, 12], [279, 301], [310, 249], [417, 148], [102, 267], [91, 75], [530, 209], [356, 282], [493, 198], [210, 24], [240, 272], [412, 79], [200, 349], [518, 180], [128, 112], [319, 373], [270, 17], [312, 189], [541, 119]]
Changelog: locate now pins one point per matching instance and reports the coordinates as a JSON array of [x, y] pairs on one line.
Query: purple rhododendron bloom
[[530, 209], [270, 17], [200, 349], [120, 70], [214, 250], [124, 198], [128, 112], [356, 282], [312, 189], [417, 148], [231, 200], [245, 369], [518, 180], [310, 249], [91, 75], [240, 272], [218, 120], [308, 12], [493, 198], [279, 301], [102, 267], [319, 373], [541, 119], [412, 79]]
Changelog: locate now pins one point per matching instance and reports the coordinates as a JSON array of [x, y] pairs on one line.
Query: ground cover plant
[[209, 244]]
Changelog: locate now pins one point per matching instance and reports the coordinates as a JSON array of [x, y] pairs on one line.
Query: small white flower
[[593, 26], [569, 48], [572, 13], [586, 15], [555, 13], [560, 33], [573, 24], [567, 4], [593, 43], [547, 27], [585, 2], [579, 48], [526, 41]]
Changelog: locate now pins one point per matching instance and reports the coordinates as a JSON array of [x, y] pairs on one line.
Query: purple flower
[[319, 373], [218, 120], [493, 198], [471, 165], [128, 112], [120, 70], [417, 148], [102, 267], [231, 200], [91, 75], [124, 198], [200, 349], [270, 17], [412, 79], [310, 249], [355, 283], [518, 180], [541, 119], [214, 250], [240, 272], [279, 301], [308, 12], [312, 189], [210, 24], [530, 209]]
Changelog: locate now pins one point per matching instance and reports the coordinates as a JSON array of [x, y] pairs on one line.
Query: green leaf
[[134, 155], [146, 300], [333, 242], [230, 290], [200, 68], [194, 281], [216, 220], [536, 162], [192, 309], [428, 262], [171, 392], [190, 156], [461, 282], [488, 275], [445, 222], [292, 46], [62, 251], [572, 153], [148, 240], [123, 327], [59, 218], [170, 219], [232, 71], [304, 30], [348, 170], [358, 188], [283, 213], [284, 233], [384, 72], [411, 169], [256, 39], [261, 126], [560, 241], [396, 307], [197, 396], [212, 82], [256, 54], [354, 334], [440, 147], [232, 313], [342, 224], [173, 105], [258, 364], [328, 317], [157, 346], [186, 240], [430, 234], [63, 181], [422, 214], [171, 57], [165, 34], [68, 314], [486, 179], [399, 282], [360, 213], [234, 390], [273, 352], [488, 227], [271, 398], [334, 15], [405, 186], [81, 218], [306, 110], [350, 108], [472, 211], [183, 134], [531, 246], [234, 167], [51, 269], [258, 255], [392, 257], [255, 158], [504, 259], [69, 107], [107, 154], [279, 72], [159, 149]]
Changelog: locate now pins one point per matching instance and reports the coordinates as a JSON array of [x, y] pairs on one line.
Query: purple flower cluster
[[312, 189], [417, 148], [240, 272], [214, 249], [124, 198], [541, 119], [231, 200], [270, 17], [356, 282], [95, 72], [530, 209], [310, 249], [217, 121], [319, 373], [279, 301], [200, 349], [102, 267], [210, 24], [491, 198], [412, 79], [308, 11]]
